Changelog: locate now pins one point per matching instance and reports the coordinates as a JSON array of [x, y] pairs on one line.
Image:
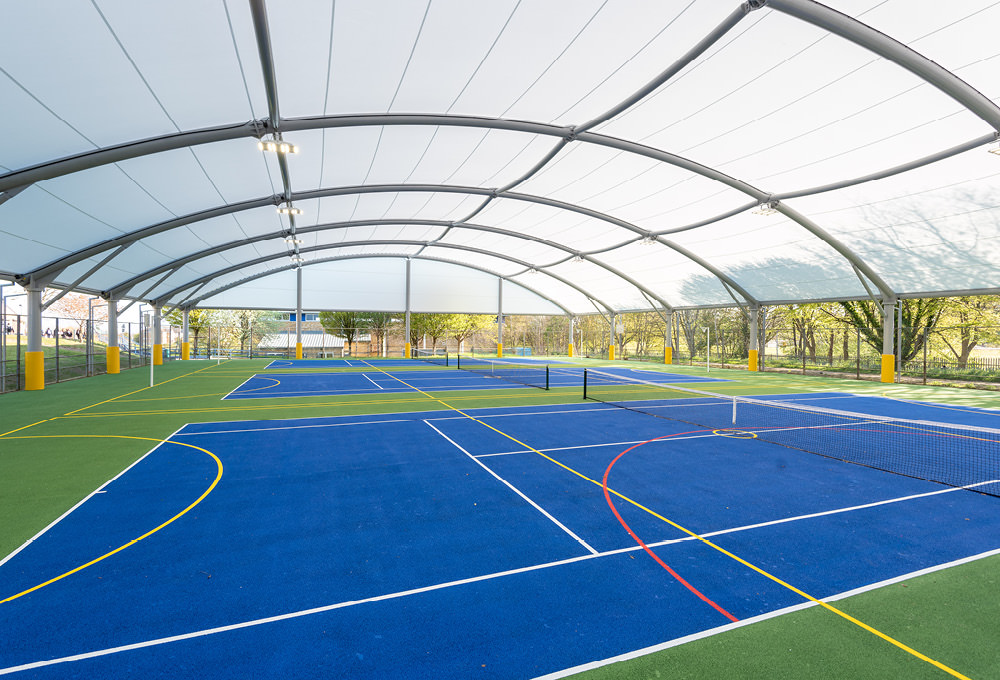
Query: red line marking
[[607, 497]]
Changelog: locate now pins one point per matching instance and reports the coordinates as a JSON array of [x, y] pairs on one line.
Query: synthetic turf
[[940, 628]]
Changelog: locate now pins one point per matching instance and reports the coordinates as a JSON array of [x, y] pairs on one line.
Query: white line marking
[[756, 619], [516, 490], [86, 498], [239, 386], [291, 427], [372, 381], [487, 577]]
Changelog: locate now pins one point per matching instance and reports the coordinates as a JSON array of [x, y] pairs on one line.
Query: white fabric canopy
[[609, 156]]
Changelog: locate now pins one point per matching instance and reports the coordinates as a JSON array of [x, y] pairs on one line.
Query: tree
[[433, 325], [198, 320], [964, 321], [920, 317], [75, 306], [378, 324], [243, 325], [461, 327], [343, 324]]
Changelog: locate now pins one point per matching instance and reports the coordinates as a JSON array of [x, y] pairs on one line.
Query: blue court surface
[[439, 545], [287, 364], [393, 379]]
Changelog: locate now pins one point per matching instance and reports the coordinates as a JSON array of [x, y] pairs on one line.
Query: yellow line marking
[[183, 512], [270, 406], [138, 390], [25, 427], [709, 543]]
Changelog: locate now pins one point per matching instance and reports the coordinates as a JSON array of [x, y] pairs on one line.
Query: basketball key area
[[525, 541]]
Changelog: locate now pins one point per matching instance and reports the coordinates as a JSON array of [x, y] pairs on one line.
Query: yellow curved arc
[[149, 533], [265, 387]]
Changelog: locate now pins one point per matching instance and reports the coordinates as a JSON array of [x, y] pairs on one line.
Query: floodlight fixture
[[289, 210], [297, 258], [767, 208], [292, 241], [579, 258], [995, 149], [277, 146], [648, 240]]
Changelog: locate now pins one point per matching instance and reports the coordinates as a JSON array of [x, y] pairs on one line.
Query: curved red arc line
[[607, 497]]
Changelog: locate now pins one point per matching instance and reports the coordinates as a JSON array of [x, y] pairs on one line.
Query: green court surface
[[949, 615]]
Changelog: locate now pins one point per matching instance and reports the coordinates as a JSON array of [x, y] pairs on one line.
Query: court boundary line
[[711, 632], [607, 491], [372, 381], [486, 577], [513, 488], [239, 386], [85, 499], [162, 525]]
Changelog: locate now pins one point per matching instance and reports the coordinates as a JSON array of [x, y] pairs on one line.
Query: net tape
[[952, 454], [531, 375], [438, 357]]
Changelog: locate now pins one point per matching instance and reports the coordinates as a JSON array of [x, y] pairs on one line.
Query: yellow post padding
[[34, 370], [406, 351], [611, 352], [113, 359], [185, 351], [668, 355], [571, 350], [298, 350], [752, 361], [499, 350], [888, 368], [157, 354]]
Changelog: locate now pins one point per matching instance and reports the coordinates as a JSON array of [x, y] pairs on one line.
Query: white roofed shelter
[[593, 156]]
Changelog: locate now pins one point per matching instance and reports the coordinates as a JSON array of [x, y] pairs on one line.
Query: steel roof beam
[[165, 297], [342, 191], [337, 258], [713, 37], [875, 41], [121, 288]]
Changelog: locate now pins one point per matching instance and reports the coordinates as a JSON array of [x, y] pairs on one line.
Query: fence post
[[925, 356]]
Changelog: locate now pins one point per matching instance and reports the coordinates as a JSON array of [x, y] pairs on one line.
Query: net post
[[546, 377], [584, 383], [446, 358], [734, 410], [458, 361]]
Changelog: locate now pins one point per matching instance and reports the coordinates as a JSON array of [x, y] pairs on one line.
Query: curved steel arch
[[805, 10], [314, 194], [342, 258], [119, 289], [165, 297], [20, 177]]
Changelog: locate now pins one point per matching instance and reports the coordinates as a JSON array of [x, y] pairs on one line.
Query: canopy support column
[[612, 336], [112, 352], [185, 335], [753, 361], [157, 336], [34, 355], [888, 327], [298, 313], [668, 338], [407, 348], [572, 328], [499, 318]]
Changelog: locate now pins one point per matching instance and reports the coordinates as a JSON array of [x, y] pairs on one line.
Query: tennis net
[[947, 453], [532, 375], [438, 357]]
